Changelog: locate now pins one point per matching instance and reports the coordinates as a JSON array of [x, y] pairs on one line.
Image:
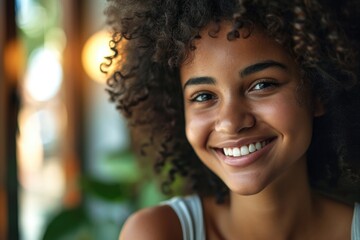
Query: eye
[[263, 84], [202, 97]]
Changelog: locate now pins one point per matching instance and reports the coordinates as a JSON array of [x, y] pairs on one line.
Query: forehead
[[217, 52]]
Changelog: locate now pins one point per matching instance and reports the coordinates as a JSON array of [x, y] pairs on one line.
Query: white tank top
[[190, 213]]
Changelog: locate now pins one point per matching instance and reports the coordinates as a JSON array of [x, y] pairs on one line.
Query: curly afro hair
[[154, 37]]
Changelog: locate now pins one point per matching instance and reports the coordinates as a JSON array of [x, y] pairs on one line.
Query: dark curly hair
[[154, 37]]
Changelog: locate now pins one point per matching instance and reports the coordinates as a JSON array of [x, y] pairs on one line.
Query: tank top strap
[[355, 228], [190, 214]]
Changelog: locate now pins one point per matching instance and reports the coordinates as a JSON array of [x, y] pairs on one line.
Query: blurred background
[[66, 166]]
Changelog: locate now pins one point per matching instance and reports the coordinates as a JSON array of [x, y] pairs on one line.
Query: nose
[[234, 117]]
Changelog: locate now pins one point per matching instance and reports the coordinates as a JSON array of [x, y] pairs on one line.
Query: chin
[[246, 189], [248, 192], [248, 185]]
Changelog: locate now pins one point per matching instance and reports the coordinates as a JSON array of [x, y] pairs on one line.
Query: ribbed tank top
[[190, 213]]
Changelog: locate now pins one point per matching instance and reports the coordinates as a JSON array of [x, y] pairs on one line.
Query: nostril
[[234, 123]]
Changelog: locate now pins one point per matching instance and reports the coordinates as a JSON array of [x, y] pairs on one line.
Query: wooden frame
[[74, 88], [3, 198], [9, 105]]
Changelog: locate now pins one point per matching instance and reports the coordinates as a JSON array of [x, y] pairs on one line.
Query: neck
[[277, 211]]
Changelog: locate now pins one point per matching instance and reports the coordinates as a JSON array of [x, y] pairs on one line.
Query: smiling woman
[[249, 97], [251, 103]]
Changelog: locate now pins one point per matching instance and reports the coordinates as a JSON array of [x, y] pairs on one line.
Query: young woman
[[252, 103]]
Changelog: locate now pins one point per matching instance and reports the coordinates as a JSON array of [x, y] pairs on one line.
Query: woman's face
[[246, 116]]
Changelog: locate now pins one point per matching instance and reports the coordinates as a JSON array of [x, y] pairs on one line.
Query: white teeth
[[236, 152], [258, 146], [244, 150], [252, 148]]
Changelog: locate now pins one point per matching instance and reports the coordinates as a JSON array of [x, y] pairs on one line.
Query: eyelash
[[269, 83], [209, 96]]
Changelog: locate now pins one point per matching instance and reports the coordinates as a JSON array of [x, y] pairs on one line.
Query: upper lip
[[231, 143]]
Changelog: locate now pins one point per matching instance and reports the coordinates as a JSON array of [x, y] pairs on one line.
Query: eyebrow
[[257, 67], [199, 80]]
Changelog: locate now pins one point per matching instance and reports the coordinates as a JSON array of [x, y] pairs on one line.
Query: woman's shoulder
[[337, 216], [159, 222]]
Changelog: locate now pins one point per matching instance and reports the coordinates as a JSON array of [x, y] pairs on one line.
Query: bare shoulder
[[338, 217], [160, 222], [338, 208]]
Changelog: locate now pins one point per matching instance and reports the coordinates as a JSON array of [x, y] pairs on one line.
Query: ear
[[319, 108]]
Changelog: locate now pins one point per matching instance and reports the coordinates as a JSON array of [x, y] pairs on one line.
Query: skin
[[227, 106], [237, 93]]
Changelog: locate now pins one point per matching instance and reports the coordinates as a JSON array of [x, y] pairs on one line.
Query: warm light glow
[[14, 59], [29, 145], [95, 49]]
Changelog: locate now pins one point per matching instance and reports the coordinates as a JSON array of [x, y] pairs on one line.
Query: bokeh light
[[30, 147], [44, 75], [31, 17], [95, 49]]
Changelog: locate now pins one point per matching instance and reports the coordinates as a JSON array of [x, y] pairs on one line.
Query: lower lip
[[246, 160]]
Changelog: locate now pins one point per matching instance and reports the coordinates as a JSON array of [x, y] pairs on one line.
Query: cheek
[[198, 128], [291, 119]]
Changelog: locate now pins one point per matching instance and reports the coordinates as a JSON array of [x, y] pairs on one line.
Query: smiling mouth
[[246, 149]]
